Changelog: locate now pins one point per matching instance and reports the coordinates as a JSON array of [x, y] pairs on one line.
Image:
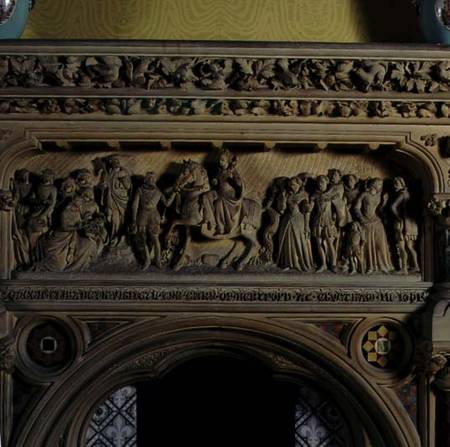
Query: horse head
[[191, 173]]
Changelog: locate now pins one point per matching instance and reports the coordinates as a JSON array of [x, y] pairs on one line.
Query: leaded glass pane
[[318, 422], [114, 421]]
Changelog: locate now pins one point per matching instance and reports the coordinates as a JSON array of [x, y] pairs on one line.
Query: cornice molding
[[192, 78]]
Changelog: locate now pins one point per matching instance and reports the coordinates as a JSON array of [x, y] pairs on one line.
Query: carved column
[[440, 209], [7, 360], [428, 364], [442, 389]]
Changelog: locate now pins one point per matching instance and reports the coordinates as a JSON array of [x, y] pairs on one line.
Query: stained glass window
[[113, 423], [318, 421]]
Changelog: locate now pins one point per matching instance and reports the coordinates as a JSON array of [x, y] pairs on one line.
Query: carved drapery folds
[[108, 219]]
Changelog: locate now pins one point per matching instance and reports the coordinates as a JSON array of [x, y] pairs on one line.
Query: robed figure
[[222, 205], [294, 233], [115, 187]]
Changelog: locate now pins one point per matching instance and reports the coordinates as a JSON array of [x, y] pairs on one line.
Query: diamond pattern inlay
[[113, 423]]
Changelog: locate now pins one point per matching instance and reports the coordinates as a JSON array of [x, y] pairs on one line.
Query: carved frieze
[[155, 83], [107, 220], [179, 106], [224, 73]]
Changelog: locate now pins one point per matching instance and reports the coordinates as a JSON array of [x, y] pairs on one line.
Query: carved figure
[[294, 233], [354, 246], [351, 192], [323, 225], [21, 190], [275, 206], [66, 248], [146, 218], [341, 214], [44, 198], [223, 205], [84, 178], [89, 208], [238, 217], [115, 186], [336, 193], [376, 249], [406, 230], [67, 191]]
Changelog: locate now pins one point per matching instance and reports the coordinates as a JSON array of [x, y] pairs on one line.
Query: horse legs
[[251, 250], [174, 224], [226, 261], [181, 261]]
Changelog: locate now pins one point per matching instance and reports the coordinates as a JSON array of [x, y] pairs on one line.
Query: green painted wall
[[277, 20]]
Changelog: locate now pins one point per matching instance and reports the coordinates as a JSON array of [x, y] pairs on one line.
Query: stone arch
[[149, 349]]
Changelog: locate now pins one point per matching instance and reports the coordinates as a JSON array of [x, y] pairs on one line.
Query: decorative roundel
[[7, 8], [442, 10], [383, 346], [49, 346]]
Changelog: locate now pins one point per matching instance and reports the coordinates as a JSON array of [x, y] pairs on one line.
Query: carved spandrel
[[203, 216]]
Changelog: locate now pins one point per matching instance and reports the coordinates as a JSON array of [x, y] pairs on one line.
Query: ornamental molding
[[192, 78], [216, 294], [213, 73], [220, 107]]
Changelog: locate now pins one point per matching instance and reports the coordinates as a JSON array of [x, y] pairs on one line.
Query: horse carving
[[216, 211]]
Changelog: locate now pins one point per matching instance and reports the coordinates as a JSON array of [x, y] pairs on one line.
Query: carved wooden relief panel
[[214, 210], [284, 204]]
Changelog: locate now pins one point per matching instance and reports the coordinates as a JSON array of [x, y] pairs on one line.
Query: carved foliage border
[[182, 107], [157, 82], [186, 72]]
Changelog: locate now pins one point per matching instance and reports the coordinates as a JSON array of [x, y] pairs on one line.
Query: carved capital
[[442, 379], [439, 207], [435, 206], [427, 362]]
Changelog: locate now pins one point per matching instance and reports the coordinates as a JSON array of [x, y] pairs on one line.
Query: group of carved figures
[[340, 225], [330, 222]]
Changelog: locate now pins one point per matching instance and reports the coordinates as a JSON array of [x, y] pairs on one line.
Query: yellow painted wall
[[276, 20]]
